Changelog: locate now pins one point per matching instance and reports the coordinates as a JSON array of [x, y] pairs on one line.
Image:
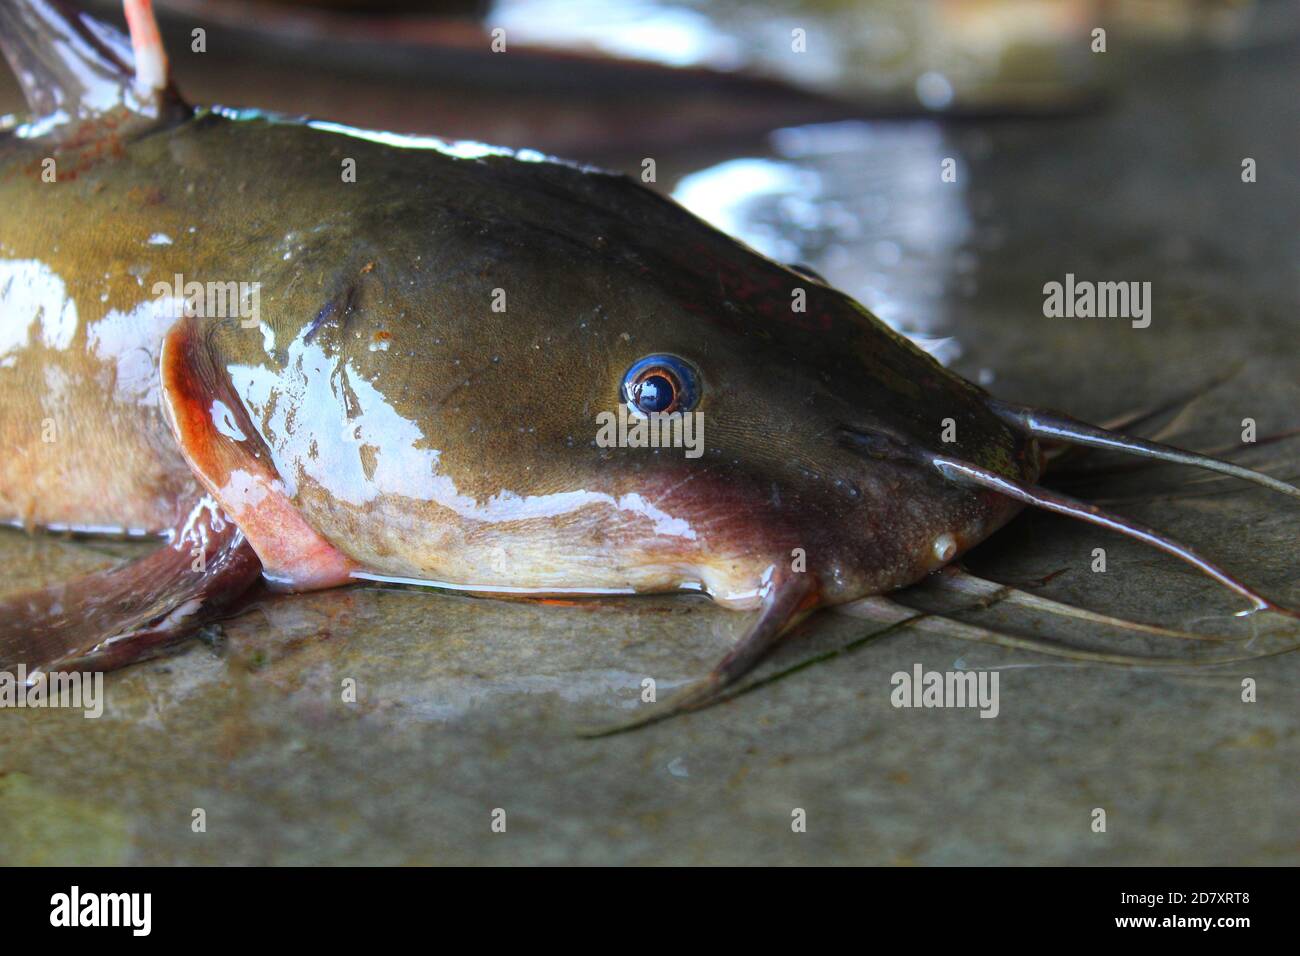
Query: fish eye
[[660, 383]]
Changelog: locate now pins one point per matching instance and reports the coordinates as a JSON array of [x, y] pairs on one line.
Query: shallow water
[[463, 706]]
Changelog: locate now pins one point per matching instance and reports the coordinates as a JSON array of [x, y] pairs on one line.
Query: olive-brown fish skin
[[425, 435]]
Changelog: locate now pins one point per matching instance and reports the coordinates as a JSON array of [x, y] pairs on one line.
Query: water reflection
[[662, 33], [30, 290], [865, 204]]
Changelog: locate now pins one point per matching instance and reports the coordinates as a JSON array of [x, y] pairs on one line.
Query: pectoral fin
[[125, 614], [232, 461]]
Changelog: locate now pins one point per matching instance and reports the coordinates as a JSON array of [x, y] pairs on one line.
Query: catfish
[[306, 355]]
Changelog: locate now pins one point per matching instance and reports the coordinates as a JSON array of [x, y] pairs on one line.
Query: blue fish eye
[[655, 393], [660, 383]]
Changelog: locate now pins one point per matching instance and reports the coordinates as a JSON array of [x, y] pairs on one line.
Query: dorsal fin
[[75, 70]]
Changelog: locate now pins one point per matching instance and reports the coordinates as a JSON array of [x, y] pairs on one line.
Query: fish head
[[575, 385], [816, 426]]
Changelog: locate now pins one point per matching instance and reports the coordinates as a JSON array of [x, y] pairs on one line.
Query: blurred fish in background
[[589, 77]]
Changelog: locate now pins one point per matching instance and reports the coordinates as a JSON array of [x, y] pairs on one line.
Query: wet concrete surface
[[467, 706]]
